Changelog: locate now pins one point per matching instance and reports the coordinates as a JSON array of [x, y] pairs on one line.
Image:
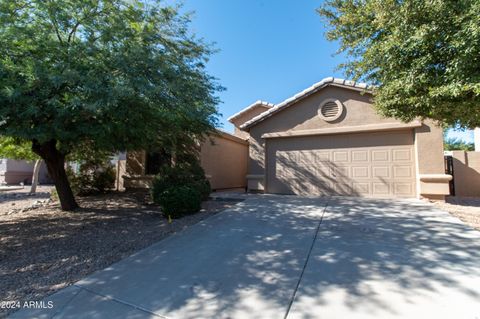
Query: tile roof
[[250, 107], [308, 91]]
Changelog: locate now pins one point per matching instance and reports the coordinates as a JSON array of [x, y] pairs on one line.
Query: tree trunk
[[55, 161], [36, 170]]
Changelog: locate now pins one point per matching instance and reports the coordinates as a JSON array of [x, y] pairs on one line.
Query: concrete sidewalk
[[264, 259]]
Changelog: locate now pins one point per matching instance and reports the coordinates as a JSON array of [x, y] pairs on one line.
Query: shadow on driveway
[[371, 259]]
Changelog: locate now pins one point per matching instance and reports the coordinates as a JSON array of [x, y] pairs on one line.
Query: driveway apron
[[390, 259]]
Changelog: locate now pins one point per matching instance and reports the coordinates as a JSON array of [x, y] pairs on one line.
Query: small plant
[[54, 195], [179, 201]]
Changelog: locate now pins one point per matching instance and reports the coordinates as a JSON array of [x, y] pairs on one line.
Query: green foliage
[[423, 56], [179, 201], [17, 149], [95, 175], [180, 177], [455, 144], [109, 72]]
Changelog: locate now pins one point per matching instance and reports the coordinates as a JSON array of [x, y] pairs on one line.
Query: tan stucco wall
[[222, 156], [466, 171], [224, 159], [244, 117], [430, 162], [303, 116]]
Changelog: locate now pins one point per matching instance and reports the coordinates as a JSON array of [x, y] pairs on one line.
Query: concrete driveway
[[292, 257]]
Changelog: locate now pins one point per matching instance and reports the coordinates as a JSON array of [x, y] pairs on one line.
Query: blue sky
[[268, 50]]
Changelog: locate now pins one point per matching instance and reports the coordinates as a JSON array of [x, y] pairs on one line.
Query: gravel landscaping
[[467, 209], [44, 249]]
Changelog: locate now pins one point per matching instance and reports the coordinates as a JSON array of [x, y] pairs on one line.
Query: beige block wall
[[466, 171], [224, 159]]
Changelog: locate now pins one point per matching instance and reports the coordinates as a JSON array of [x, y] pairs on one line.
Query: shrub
[[203, 186], [180, 175], [92, 177], [180, 201], [179, 178]]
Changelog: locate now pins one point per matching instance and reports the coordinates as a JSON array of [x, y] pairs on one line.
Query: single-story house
[[325, 140]]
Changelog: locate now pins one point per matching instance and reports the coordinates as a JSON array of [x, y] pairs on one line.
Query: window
[[155, 160]]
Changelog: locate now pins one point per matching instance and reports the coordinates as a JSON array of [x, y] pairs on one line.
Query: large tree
[[110, 74], [422, 55]]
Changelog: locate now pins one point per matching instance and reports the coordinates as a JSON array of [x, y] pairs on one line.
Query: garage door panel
[[322, 169], [380, 155], [402, 188], [378, 169], [340, 156], [402, 155], [381, 171], [402, 171], [380, 188], [362, 188], [360, 156], [343, 188], [360, 172], [340, 171]]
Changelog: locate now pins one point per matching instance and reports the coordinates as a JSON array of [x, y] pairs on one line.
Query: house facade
[[223, 157], [328, 140]]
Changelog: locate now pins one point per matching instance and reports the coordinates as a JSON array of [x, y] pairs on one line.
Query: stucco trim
[[348, 129], [435, 178], [251, 107], [301, 95]]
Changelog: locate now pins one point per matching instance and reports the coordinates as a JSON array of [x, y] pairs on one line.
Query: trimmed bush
[[179, 201], [182, 182]]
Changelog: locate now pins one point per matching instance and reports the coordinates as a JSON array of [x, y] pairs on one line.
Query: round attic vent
[[330, 110]]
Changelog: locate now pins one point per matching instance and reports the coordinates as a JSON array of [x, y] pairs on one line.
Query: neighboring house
[[16, 172], [328, 139], [223, 156]]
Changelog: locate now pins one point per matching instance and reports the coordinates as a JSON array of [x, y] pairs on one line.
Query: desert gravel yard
[[45, 249], [467, 209]]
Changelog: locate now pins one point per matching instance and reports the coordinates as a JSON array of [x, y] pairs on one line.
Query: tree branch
[[72, 33]]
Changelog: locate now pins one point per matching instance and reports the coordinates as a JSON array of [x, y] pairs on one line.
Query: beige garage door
[[373, 165]]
